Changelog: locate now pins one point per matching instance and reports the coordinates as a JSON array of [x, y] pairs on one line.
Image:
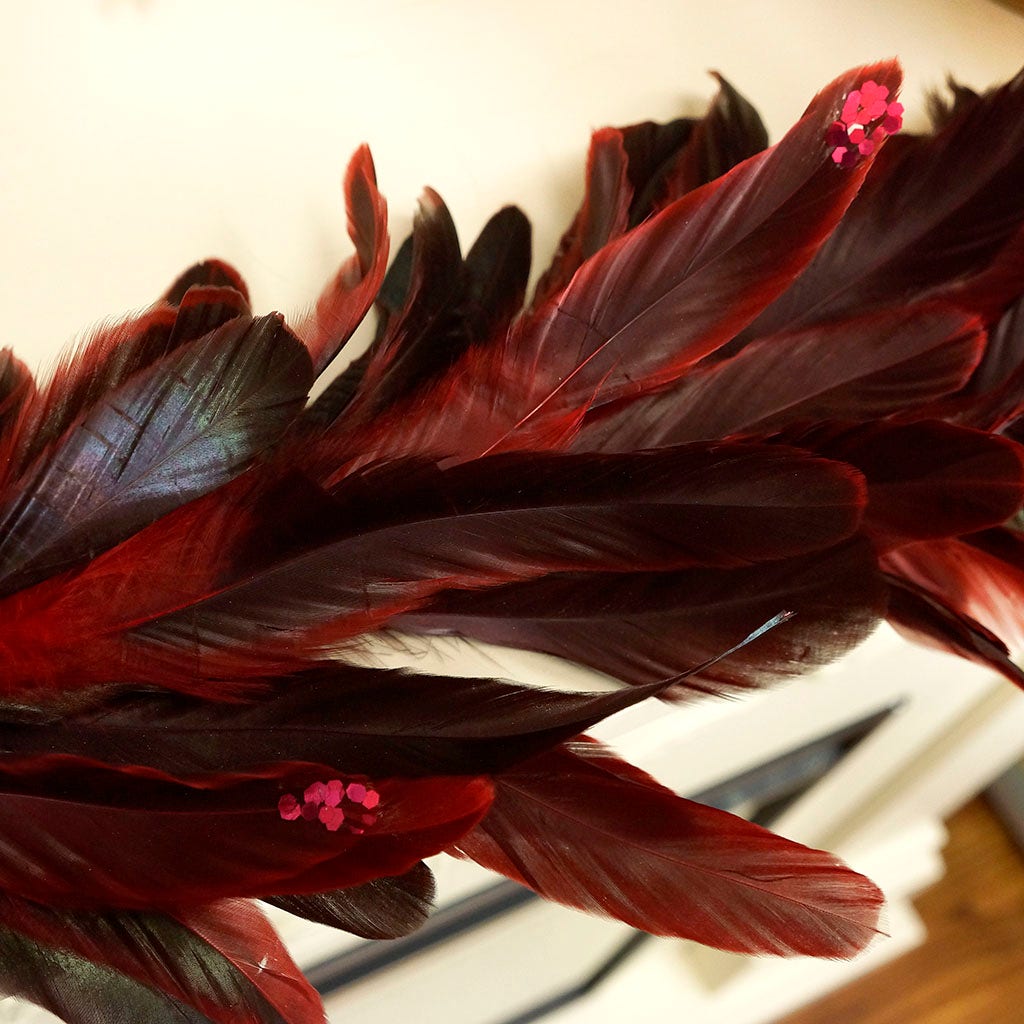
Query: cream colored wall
[[139, 135]]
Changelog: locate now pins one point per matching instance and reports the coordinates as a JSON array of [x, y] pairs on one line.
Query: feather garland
[[761, 398]]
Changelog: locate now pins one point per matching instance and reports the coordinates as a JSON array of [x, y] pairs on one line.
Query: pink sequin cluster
[[334, 804], [867, 117]]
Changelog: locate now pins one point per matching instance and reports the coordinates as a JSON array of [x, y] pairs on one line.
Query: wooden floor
[[971, 970]]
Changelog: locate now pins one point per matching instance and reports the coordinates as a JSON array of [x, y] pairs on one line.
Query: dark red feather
[[386, 908], [730, 132], [582, 827], [209, 273], [348, 296], [641, 627], [643, 310], [928, 619], [980, 576], [224, 960], [860, 368], [80, 834], [925, 480], [182, 427], [358, 720], [410, 343], [928, 219], [16, 388], [397, 538], [506, 519], [432, 307], [111, 355], [602, 217]]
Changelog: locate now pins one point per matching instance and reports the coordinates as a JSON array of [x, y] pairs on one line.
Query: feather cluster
[[753, 381]]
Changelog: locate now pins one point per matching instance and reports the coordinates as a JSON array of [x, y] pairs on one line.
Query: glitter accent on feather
[[866, 119], [334, 804]]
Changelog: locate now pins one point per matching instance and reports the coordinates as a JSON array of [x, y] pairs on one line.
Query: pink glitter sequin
[[851, 107], [845, 157], [836, 134], [288, 807], [872, 99], [866, 118], [332, 817], [315, 794], [893, 118], [334, 804]]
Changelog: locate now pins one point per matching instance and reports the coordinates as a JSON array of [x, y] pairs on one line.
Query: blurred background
[[142, 135]]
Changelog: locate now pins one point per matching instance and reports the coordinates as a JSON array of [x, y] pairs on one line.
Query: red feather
[[641, 627], [223, 959], [384, 724], [432, 307], [645, 308], [435, 271], [494, 521], [208, 274], [107, 358], [345, 300], [861, 368], [930, 620], [992, 399], [932, 214], [925, 480], [582, 827], [16, 388], [728, 134], [980, 576], [602, 217], [726, 406], [181, 427], [79, 834]]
